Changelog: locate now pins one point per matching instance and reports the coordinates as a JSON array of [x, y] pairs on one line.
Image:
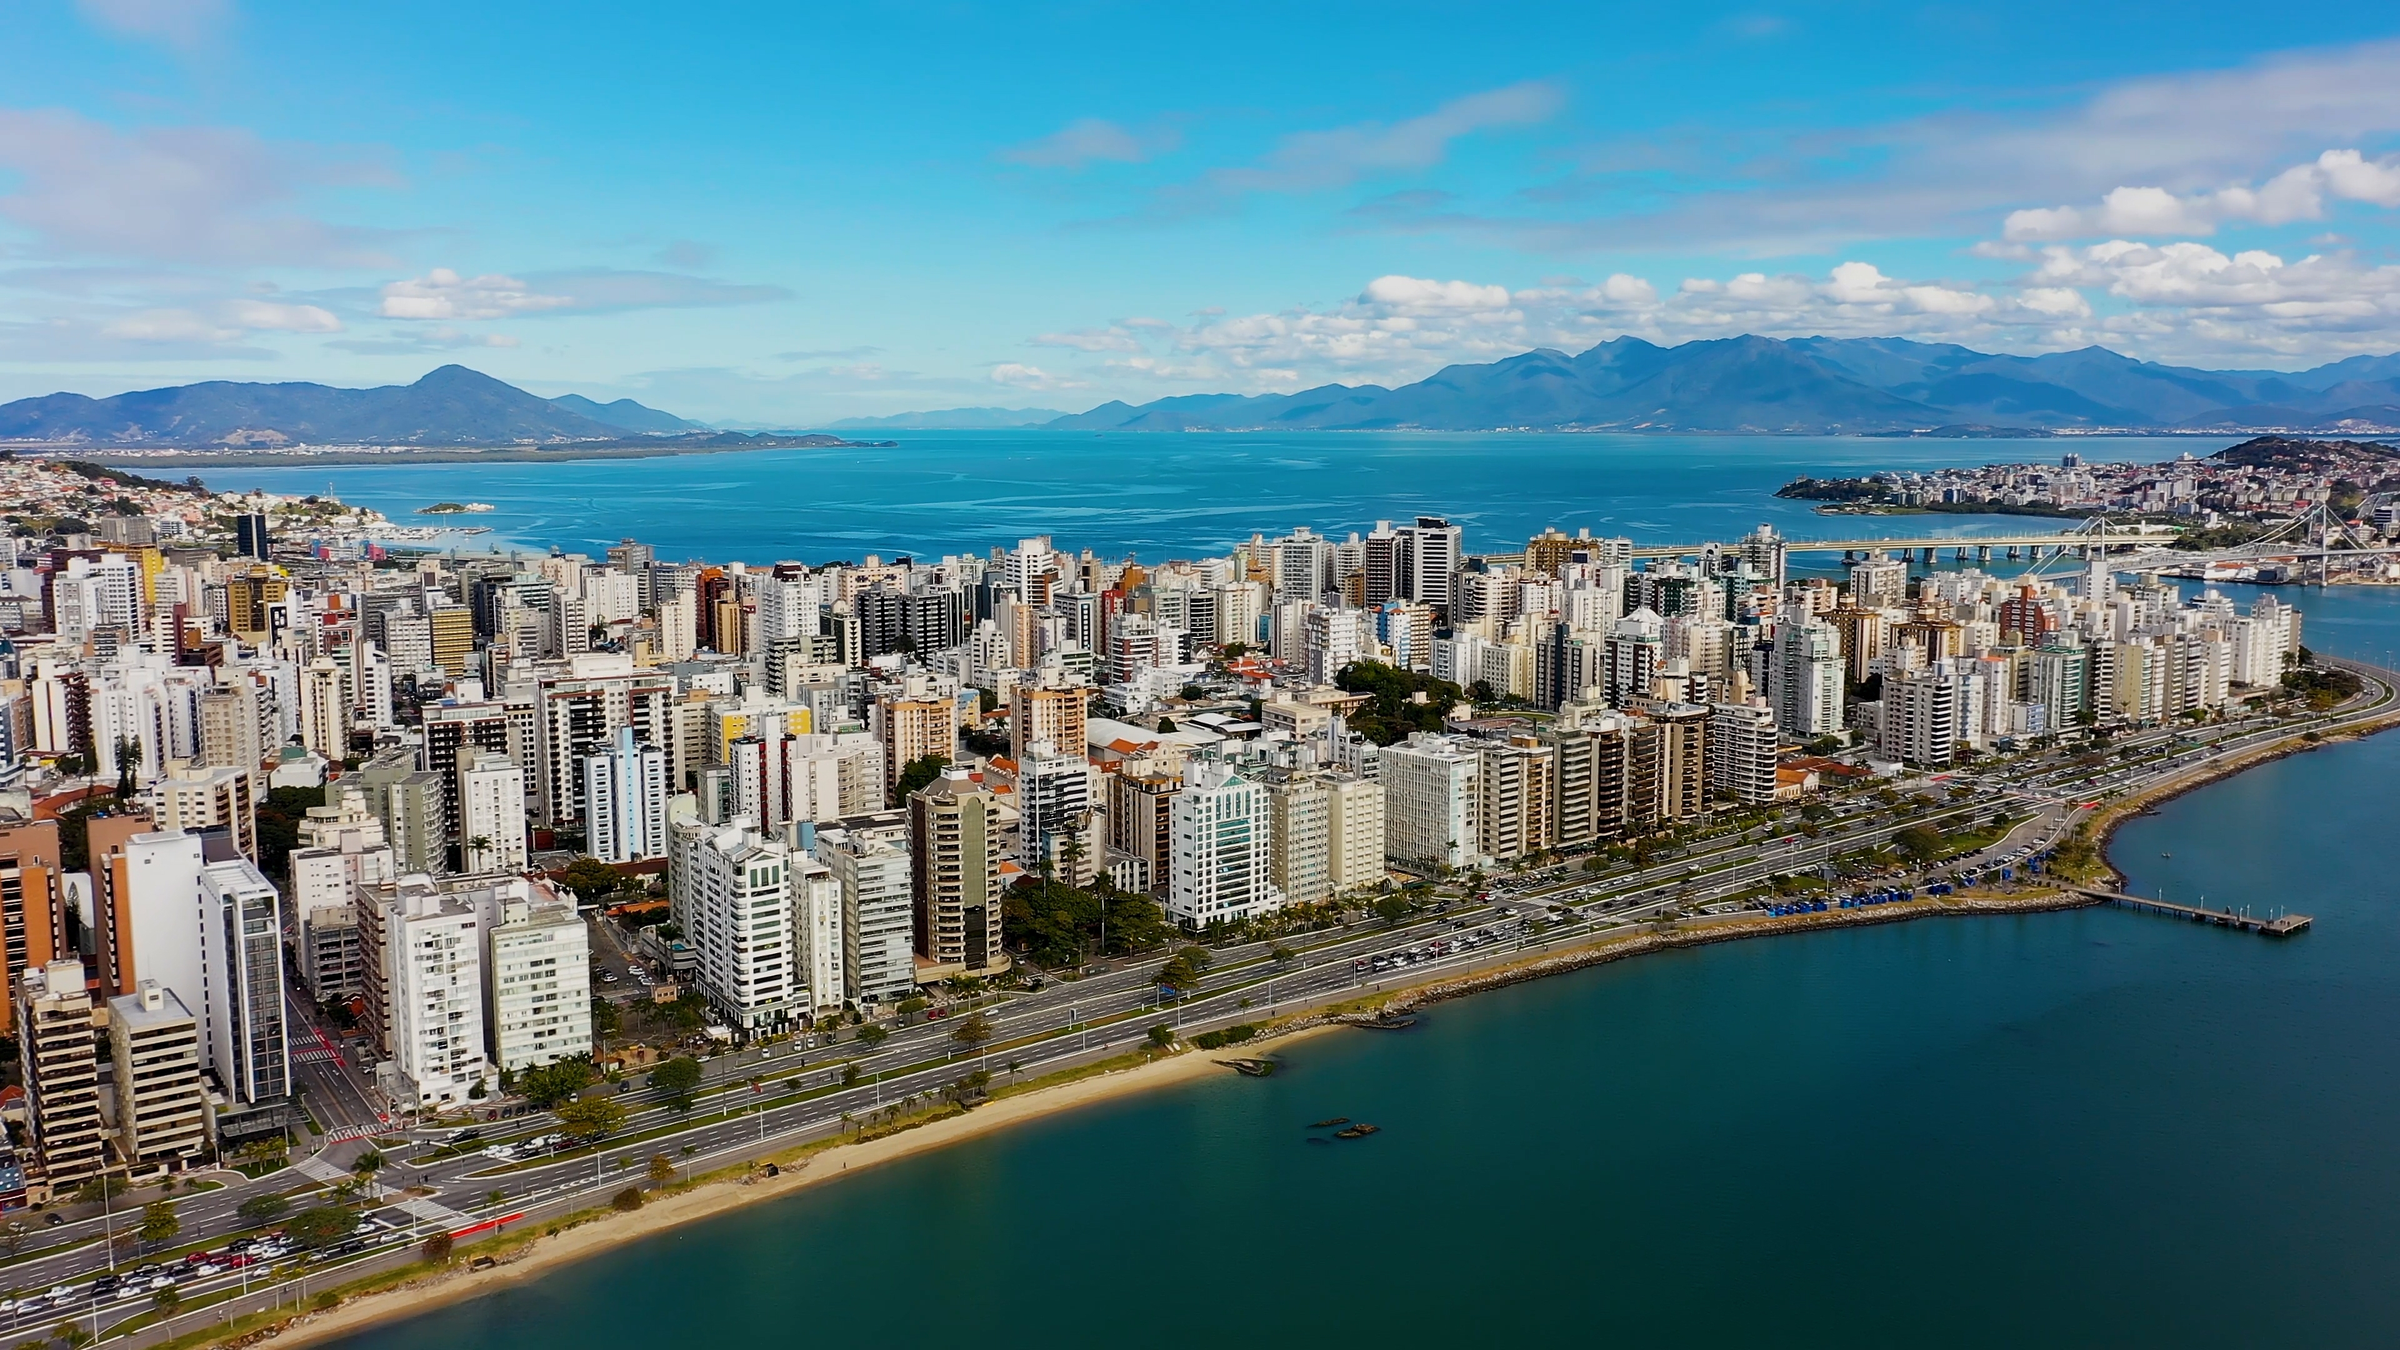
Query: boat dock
[[2281, 926]]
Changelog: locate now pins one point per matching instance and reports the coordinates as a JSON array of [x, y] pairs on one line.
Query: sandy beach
[[712, 1198]]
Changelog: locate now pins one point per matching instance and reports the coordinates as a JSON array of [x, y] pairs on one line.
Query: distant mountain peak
[[1819, 385], [448, 405]]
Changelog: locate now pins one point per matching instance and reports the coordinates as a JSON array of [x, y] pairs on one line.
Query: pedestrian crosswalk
[[319, 1056], [340, 1134]]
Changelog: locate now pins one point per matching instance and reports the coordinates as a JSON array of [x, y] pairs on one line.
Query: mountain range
[[449, 406], [1823, 386]]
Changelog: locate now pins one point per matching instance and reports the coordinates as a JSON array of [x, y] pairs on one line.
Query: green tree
[[662, 1169], [972, 1032], [320, 1226], [549, 1084], [627, 1200], [1162, 1035], [873, 1034], [1391, 908], [160, 1223], [677, 1078], [1919, 843], [1282, 955], [437, 1247], [166, 1301], [591, 879], [606, 1020], [918, 773], [14, 1235], [1182, 972], [366, 1164], [260, 1210], [591, 1118]]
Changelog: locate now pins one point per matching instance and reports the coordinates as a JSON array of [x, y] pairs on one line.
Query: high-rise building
[[1221, 835], [454, 732], [1057, 814], [537, 976], [1741, 752], [732, 893], [912, 727], [491, 814], [954, 877], [1516, 799], [1056, 715], [55, 1044], [1300, 837], [162, 1109], [192, 799], [229, 725], [1920, 718], [432, 961], [250, 537], [241, 946], [868, 859], [30, 918], [625, 801], [1354, 833], [1879, 582], [1429, 801], [1805, 678], [324, 709], [1429, 556]]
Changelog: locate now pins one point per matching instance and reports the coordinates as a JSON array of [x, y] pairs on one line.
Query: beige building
[[1053, 715], [1517, 789], [55, 1031], [191, 798], [1299, 838], [914, 727], [162, 1109]]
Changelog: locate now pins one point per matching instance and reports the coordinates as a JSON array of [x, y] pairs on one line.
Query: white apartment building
[[1429, 799], [491, 813], [818, 930], [1805, 678], [433, 950], [625, 801], [732, 894], [870, 863], [1740, 752], [1219, 834], [537, 976]]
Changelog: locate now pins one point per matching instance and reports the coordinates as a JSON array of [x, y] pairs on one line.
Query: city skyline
[[756, 218]]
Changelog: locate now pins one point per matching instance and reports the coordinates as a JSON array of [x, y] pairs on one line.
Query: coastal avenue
[[1070, 1023]]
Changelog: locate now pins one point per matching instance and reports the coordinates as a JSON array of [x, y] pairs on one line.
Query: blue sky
[[784, 214]]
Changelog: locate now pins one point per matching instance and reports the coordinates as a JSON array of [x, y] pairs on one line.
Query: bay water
[[2090, 1128]]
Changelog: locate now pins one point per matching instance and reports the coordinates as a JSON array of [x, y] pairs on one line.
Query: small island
[[455, 508]]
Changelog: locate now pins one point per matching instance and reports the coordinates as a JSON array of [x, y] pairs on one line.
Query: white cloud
[[444, 294], [169, 325], [2297, 193], [1313, 160], [1801, 189], [1089, 140], [1018, 376], [1116, 338], [176, 194], [265, 315]]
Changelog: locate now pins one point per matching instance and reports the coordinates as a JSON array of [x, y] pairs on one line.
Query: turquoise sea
[[1168, 495], [2085, 1129]]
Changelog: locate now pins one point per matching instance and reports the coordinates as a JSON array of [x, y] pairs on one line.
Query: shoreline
[[573, 1238], [808, 1165]]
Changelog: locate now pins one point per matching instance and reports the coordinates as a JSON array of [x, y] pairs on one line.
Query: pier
[[2283, 926]]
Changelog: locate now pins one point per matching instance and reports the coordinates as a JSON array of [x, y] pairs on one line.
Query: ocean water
[[1154, 496], [2085, 1129]]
